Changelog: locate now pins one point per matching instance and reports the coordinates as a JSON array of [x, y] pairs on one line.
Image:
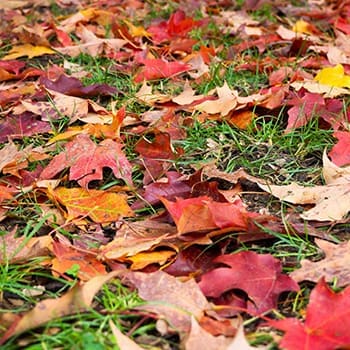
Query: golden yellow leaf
[[28, 50], [302, 26], [100, 206], [136, 31], [333, 76], [143, 259]]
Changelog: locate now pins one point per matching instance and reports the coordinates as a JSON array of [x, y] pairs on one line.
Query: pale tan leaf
[[123, 342], [316, 87], [78, 299], [187, 96], [333, 174], [199, 338], [335, 265]]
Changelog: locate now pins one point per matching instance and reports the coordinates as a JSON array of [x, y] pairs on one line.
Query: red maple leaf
[[178, 25], [18, 126], [340, 153], [160, 68], [326, 325], [87, 160], [310, 105], [259, 275]]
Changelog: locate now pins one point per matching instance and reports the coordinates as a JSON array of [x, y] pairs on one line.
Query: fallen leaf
[[100, 206], [340, 153], [19, 126], [28, 50], [170, 298], [66, 258], [259, 275], [333, 76], [143, 259], [78, 299], [20, 249], [326, 325], [86, 161], [123, 342], [332, 201], [199, 338], [334, 266], [160, 68], [91, 44]]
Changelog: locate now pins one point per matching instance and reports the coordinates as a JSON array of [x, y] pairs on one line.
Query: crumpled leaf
[[227, 101], [334, 266], [86, 161], [91, 44], [100, 206], [202, 213], [259, 275], [326, 325], [78, 299]]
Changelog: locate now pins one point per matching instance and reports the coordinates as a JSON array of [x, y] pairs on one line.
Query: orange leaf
[[100, 206], [67, 257]]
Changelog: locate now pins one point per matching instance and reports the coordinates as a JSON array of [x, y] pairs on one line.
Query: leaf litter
[[183, 235]]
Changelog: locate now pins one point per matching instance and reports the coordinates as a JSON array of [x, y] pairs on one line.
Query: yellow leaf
[[333, 76], [28, 50], [100, 206], [136, 31], [67, 134], [302, 27], [143, 259]]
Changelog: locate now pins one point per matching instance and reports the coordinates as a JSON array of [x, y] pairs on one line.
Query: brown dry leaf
[[78, 299], [335, 265], [332, 201], [239, 342], [28, 50], [177, 302], [123, 342], [16, 249], [135, 237]]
